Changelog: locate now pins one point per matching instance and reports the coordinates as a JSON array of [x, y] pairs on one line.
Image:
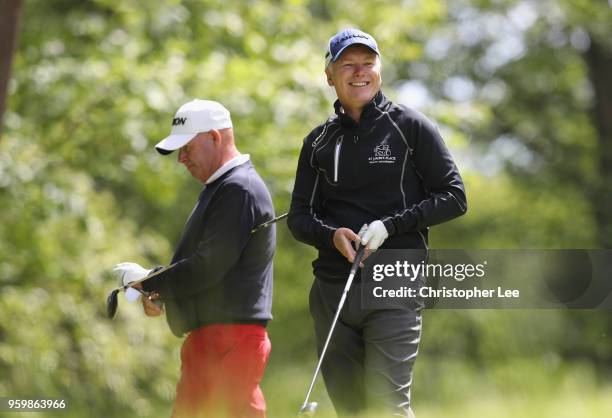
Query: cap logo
[[349, 36], [179, 121]]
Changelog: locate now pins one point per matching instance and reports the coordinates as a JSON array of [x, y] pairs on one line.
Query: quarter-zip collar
[[368, 114], [234, 162]]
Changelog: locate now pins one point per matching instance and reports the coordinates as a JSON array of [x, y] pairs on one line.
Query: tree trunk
[[9, 26], [599, 60]]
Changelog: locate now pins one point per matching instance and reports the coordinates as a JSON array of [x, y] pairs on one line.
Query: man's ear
[[328, 74], [216, 136]]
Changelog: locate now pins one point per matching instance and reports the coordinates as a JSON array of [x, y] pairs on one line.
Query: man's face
[[355, 76], [201, 156]]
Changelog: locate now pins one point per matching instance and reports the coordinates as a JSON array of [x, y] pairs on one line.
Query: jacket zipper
[[337, 158]]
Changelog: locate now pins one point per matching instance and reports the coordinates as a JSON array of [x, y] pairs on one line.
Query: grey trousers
[[369, 361]]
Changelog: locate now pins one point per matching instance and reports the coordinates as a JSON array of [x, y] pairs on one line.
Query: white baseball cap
[[192, 118]]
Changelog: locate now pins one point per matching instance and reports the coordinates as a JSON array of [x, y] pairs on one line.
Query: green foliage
[[94, 86]]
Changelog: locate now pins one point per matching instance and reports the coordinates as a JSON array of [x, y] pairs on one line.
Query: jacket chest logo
[[382, 155]]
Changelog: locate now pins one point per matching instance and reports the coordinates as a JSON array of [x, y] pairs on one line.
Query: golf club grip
[[358, 258]]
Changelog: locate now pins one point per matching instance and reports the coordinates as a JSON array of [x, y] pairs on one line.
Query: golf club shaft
[[150, 276], [270, 222], [354, 267]]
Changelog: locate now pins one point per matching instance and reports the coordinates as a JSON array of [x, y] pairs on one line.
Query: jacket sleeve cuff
[[330, 239], [388, 223], [151, 284]]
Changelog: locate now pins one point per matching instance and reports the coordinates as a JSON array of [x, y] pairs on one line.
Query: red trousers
[[221, 367]]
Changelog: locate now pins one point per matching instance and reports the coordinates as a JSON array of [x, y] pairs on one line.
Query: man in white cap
[[218, 289], [377, 173]]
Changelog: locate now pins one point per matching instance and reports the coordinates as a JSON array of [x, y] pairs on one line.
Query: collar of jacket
[[368, 114]]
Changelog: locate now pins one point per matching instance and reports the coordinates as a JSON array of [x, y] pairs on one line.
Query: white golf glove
[[373, 235], [128, 273]]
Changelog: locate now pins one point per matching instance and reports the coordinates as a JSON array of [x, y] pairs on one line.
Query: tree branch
[[10, 11]]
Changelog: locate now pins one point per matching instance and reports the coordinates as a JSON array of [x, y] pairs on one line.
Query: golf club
[[308, 409], [112, 300]]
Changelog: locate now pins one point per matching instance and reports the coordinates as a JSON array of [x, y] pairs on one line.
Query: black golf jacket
[[392, 166], [223, 273]]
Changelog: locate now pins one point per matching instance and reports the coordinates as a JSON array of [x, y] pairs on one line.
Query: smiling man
[[376, 173]]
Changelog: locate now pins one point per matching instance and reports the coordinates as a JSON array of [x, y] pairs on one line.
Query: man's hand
[[149, 305], [151, 302], [373, 235], [131, 272], [343, 241]]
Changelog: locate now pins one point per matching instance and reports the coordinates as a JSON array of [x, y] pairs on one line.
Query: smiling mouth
[[359, 84]]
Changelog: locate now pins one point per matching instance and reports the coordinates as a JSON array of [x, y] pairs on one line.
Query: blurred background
[[521, 90]]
